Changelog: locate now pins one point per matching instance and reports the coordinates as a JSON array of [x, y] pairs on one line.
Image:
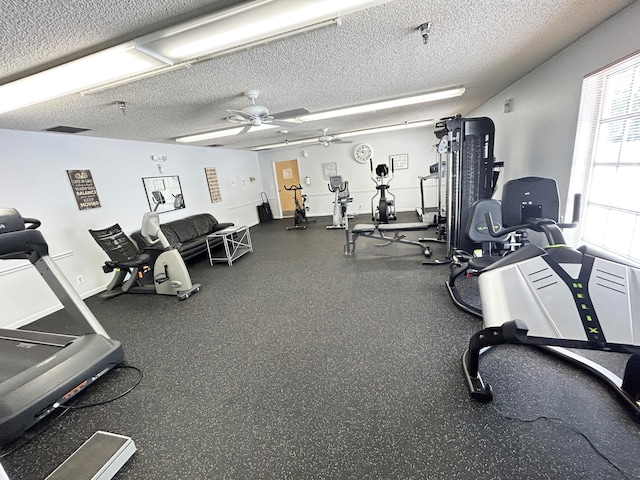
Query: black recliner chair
[[125, 259]]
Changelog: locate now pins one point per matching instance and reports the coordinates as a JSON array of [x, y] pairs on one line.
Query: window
[[606, 163]]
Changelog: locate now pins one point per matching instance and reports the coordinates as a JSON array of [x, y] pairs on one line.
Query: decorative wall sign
[[330, 169], [212, 182], [399, 162], [84, 189]]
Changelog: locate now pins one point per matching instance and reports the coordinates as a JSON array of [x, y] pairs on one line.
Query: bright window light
[[105, 66], [398, 102]]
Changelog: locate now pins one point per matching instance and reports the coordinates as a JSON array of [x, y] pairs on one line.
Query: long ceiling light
[[244, 25], [354, 133], [107, 65], [398, 102], [225, 31], [200, 137], [366, 108]]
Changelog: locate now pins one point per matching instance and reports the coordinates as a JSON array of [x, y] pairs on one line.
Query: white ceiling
[[375, 54]]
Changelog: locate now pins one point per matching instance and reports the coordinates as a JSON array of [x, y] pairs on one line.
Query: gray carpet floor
[[298, 362]]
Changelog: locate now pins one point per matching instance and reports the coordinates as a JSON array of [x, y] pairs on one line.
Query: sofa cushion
[[203, 223], [184, 229], [170, 233]]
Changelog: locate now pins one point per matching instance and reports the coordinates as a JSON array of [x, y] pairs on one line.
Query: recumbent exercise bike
[[557, 297]]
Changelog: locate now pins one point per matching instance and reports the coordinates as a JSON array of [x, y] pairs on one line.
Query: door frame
[[277, 187]]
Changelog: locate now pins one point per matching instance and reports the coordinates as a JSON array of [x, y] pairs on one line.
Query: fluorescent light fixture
[[355, 133], [244, 25], [390, 128], [199, 137], [287, 144], [105, 66], [133, 78], [228, 30], [398, 102]]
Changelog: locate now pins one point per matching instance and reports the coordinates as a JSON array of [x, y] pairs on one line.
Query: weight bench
[[379, 231]]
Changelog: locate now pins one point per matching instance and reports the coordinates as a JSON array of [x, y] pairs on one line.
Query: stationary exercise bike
[[340, 202], [557, 297], [386, 209], [300, 214], [169, 275]]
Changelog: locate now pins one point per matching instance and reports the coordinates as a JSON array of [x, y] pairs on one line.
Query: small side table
[[236, 241]]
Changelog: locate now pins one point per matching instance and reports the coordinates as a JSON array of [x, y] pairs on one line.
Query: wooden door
[[287, 175]]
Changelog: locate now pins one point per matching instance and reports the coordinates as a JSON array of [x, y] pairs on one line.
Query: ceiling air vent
[[65, 129]]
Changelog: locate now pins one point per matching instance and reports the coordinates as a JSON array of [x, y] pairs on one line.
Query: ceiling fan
[[257, 115], [326, 140]]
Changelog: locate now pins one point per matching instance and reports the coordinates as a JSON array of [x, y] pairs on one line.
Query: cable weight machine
[[467, 172]]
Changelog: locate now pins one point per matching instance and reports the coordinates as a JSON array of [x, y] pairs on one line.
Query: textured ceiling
[[375, 54]]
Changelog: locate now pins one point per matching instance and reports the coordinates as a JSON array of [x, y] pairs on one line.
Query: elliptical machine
[[300, 214], [386, 209], [340, 202], [169, 275]]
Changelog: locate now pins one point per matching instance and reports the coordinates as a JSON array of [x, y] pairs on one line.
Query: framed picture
[[400, 161], [329, 169]]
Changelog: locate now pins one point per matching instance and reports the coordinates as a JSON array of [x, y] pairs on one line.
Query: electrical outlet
[[80, 279]]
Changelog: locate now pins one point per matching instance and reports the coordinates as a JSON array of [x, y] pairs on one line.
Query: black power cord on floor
[[64, 409], [572, 428]]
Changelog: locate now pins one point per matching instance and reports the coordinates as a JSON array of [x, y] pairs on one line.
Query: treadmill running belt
[[13, 362]]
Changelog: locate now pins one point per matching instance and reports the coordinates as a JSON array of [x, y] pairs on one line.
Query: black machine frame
[[467, 171]]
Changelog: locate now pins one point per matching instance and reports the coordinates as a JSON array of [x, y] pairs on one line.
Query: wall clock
[[363, 153]]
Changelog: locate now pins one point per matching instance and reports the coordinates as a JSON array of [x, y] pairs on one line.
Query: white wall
[[33, 180], [416, 143], [537, 137]]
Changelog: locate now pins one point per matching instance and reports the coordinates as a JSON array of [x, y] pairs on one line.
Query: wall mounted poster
[[212, 182], [400, 162], [84, 189]]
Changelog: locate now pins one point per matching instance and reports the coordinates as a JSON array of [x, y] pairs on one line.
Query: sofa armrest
[[222, 226]]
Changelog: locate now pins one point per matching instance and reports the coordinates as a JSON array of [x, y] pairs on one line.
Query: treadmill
[[40, 371]]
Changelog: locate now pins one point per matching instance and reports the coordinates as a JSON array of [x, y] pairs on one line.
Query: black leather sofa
[[188, 234]]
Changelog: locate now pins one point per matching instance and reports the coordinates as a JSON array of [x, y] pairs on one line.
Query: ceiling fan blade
[[239, 112], [290, 113], [245, 129], [339, 140]]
